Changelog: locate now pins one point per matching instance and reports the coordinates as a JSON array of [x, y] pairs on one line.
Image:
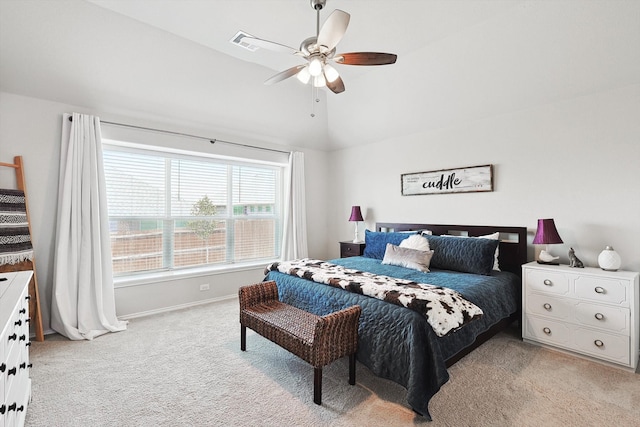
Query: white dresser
[[587, 311], [15, 384]]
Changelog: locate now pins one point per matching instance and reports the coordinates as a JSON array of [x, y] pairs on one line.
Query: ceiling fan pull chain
[[315, 98], [313, 104]]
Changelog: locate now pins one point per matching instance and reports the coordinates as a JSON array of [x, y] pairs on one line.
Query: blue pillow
[[376, 242], [468, 255]]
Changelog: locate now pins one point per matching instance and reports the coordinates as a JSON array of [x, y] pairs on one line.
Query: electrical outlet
[[204, 287]]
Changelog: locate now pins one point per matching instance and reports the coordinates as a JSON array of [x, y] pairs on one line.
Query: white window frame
[[139, 278]]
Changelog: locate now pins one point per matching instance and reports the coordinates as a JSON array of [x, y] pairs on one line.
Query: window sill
[[166, 276]]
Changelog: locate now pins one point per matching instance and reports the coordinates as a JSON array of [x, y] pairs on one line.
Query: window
[[171, 211]]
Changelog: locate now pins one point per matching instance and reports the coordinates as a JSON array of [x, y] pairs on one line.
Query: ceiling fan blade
[[333, 29], [284, 75], [336, 86], [365, 58], [266, 44]]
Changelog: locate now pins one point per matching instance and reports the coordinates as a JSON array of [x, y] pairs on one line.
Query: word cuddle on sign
[[463, 180]]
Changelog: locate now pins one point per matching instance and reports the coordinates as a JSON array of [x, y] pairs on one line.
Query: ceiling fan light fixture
[[330, 73], [303, 76], [319, 81], [315, 66]]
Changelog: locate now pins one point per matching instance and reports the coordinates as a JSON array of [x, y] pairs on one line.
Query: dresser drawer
[[614, 319], [549, 305], [547, 281], [12, 373], [3, 387], [602, 345], [545, 330], [602, 290]]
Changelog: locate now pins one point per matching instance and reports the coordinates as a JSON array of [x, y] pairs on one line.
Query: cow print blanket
[[445, 309]]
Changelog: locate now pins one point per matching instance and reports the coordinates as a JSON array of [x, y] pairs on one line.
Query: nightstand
[[585, 311], [348, 249]]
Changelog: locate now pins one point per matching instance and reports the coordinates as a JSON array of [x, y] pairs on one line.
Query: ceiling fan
[[320, 50]]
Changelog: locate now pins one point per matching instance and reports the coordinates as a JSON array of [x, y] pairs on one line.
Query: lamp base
[[548, 262], [355, 238]]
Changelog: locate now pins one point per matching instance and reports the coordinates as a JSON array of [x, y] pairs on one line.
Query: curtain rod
[[212, 141]]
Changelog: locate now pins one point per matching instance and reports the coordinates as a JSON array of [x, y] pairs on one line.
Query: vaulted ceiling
[[172, 61]]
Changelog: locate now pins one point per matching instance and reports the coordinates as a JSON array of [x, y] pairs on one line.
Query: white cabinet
[[587, 311], [15, 384]]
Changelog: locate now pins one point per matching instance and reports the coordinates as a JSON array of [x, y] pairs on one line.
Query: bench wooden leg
[[317, 386], [243, 338], [352, 369]]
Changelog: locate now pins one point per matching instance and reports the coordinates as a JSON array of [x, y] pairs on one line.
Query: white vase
[[609, 259]]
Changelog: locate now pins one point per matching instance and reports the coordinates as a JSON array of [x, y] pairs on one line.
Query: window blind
[[169, 210]]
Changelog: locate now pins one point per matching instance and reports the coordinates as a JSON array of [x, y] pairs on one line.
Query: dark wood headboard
[[513, 240]]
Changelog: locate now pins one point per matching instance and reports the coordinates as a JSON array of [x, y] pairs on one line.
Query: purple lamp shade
[[547, 233], [356, 215]]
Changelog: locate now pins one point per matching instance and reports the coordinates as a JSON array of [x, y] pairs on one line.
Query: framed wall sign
[[464, 180]]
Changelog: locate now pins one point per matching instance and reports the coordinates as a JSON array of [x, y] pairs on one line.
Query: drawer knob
[[598, 343], [548, 282], [599, 316], [12, 407], [3, 367], [12, 371], [18, 323], [13, 337], [28, 297], [3, 409], [546, 331], [547, 306], [599, 290], [22, 311]]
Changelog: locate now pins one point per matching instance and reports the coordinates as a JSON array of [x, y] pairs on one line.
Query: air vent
[[238, 40]]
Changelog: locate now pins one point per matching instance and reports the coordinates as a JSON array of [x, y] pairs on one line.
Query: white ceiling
[[395, 26], [172, 61]]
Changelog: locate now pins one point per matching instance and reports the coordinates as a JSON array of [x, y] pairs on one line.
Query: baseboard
[[176, 307]]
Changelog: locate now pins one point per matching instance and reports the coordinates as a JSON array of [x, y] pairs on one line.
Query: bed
[[398, 343]]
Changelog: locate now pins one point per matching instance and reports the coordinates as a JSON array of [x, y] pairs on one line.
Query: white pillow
[[493, 236], [408, 258], [416, 241]]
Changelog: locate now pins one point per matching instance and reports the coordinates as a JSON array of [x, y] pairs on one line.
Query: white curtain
[[83, 300], [294, 239]]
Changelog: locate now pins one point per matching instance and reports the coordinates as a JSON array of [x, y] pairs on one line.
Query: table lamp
[[547, 234], [356, 216]]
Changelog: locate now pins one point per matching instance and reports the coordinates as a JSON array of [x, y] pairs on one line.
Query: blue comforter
[[397, 343]]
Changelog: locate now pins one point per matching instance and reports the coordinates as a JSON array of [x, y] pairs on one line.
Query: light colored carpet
[[185, 368]]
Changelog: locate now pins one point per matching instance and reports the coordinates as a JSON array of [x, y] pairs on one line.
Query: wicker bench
[[318, 340]]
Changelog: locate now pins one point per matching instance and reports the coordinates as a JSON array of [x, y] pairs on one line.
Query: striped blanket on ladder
[[15, 240]]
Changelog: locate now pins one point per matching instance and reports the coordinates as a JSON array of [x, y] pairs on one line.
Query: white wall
[[31, 128], [547, 92], [574, 160]]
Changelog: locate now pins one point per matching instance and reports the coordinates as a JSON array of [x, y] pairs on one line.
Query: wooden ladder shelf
[[34, 302]]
